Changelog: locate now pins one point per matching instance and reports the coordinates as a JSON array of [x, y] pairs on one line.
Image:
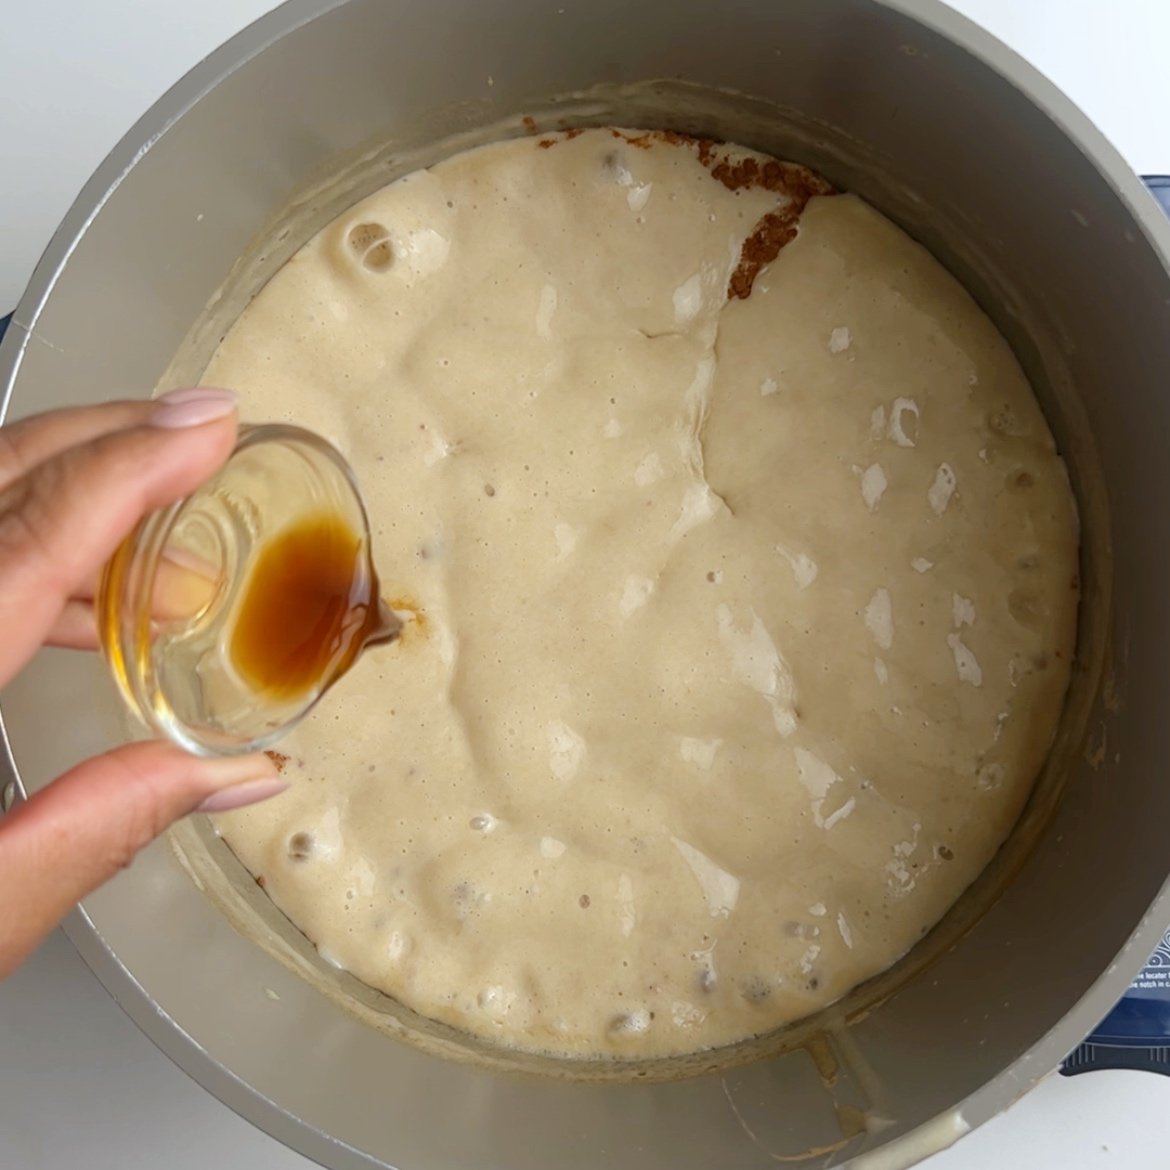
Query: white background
[[79, 1085]]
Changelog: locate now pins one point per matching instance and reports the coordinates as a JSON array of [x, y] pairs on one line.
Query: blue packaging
[[1159, 186], [1136, 1033]]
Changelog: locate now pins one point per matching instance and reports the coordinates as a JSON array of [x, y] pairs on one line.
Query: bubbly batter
[[745, 569]]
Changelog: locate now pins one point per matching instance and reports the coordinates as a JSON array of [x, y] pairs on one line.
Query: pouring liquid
[[309, 606]]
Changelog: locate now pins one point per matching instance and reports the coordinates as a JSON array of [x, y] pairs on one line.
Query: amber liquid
[[310, 605]]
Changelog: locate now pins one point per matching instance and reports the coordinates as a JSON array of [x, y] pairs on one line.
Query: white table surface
[[79, 1085]]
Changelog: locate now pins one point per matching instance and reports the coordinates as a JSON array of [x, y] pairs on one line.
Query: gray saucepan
[[976, 155]]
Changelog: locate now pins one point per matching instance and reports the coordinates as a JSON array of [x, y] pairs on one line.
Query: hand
[[73, 483]]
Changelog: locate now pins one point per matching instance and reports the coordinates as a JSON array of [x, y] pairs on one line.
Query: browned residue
[[564, 136], [412, 615], [641, 141], [260, 880], [529, 124], [647, 139], [279, 759], [775, 229]]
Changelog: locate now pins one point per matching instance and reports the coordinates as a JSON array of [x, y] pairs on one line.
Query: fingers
[[33, 440], [61, 520], [181, 589], [183, 585], [77, 833], [75, 628], [72, 485]]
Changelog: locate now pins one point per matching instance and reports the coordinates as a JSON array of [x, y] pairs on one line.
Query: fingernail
[[192, 407], [250, 792]]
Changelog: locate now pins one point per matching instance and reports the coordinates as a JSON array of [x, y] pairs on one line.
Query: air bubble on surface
[[300, 847], [630, 1023], [379, 257]]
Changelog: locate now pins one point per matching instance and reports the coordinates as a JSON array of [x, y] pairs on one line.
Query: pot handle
[[1136, 1033]]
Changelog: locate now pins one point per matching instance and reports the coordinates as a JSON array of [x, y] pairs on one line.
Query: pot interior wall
[[934, 137]]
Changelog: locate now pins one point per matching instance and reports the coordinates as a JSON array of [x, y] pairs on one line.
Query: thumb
[[79, 831]]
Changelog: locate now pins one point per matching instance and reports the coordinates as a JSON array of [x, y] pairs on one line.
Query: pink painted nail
[[250, 792], [192, 407]]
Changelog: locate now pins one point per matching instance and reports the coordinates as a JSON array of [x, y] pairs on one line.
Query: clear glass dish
[[200, 651]]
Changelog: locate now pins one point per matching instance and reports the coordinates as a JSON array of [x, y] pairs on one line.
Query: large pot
[[944, 130]]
